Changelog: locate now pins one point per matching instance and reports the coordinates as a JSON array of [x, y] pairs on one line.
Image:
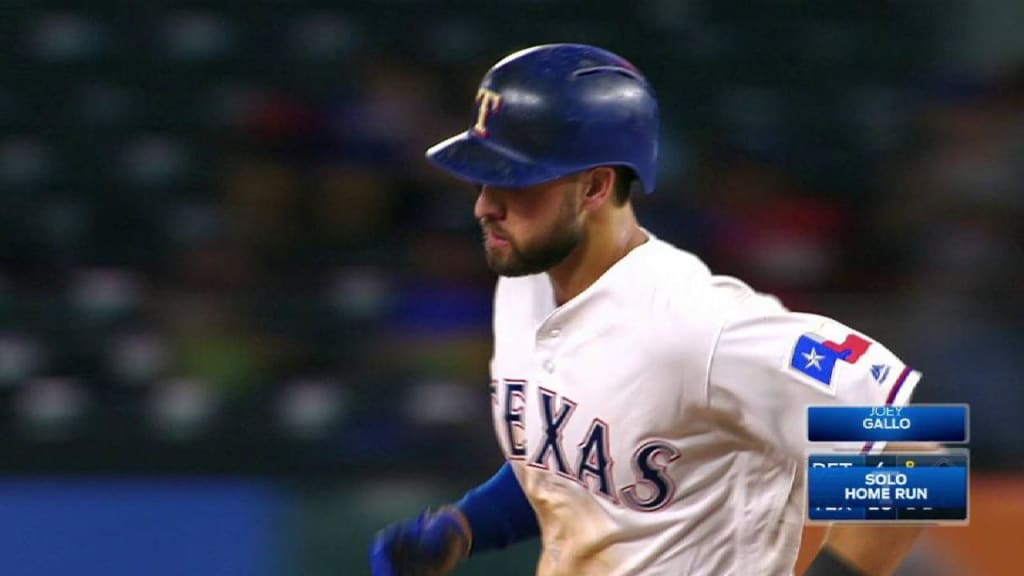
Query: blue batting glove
[[429, 545]]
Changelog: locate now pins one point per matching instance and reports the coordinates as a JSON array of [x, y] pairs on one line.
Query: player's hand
[[429, 545]]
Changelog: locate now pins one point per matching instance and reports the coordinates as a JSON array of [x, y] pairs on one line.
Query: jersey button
[[549, 366]]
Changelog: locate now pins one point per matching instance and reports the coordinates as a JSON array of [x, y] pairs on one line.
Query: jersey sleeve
[[770, 364]]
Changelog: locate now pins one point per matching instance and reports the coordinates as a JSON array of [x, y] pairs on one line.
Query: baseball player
[[652, 415]]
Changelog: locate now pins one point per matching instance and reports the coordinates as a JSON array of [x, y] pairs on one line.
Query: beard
[[542, 254]]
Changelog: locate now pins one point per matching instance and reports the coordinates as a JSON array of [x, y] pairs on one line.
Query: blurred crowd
[[220, 244]]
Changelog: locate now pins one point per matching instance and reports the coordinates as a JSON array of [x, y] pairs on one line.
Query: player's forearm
[[498, 512], [872, 550]]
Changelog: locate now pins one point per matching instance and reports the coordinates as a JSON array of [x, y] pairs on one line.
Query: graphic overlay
[[912, 487], [947, 423], [908, 487]]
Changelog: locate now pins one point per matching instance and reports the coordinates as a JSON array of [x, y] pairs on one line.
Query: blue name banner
[[888, 487], [918, 423]]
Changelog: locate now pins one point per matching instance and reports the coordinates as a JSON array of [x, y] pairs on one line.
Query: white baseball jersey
[[657, 422]]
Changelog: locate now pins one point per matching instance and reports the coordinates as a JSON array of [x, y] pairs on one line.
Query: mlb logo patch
[[880, 372], [816, 357]]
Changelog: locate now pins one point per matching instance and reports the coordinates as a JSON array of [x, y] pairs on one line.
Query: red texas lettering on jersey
[[592, 468]]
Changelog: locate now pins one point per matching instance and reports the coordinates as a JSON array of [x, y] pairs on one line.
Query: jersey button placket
[[545, 345]]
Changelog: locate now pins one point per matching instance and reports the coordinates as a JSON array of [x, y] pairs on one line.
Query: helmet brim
[[479, 161]]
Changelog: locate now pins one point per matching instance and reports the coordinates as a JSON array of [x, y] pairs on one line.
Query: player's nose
[[488, 205]]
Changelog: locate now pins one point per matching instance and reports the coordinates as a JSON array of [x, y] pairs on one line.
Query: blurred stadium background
[[243, 325]]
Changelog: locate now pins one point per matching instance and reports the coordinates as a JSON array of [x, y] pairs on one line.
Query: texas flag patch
[[817, 357]]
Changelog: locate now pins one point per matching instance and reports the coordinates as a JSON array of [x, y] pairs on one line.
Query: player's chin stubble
[[511, 261]]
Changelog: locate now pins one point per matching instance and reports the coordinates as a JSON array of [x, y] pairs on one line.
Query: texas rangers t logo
[[489, 102], [816, 357]]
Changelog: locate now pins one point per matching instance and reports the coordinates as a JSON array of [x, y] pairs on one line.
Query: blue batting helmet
[[549, 111]]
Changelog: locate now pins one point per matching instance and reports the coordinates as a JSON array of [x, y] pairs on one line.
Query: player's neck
[[605, 244]]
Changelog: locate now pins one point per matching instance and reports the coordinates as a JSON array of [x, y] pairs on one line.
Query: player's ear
[[599, 186]]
